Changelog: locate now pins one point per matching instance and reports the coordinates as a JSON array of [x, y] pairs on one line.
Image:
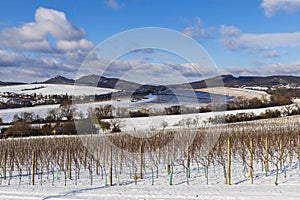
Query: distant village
[[13, 100]]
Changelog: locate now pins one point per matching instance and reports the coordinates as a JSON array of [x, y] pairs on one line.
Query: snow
[[259, 88], [55, 89], [147, 123], [143, 123], [7, 114], [236, 92], [3, 99], [241, 188]]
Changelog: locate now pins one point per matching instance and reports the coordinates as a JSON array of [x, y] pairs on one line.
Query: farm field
[[55, 89], [187, 164], [236, 92]]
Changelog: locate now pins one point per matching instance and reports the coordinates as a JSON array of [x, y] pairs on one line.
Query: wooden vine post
[[290, 151], [267, 155], [228, 161], [121, 158], [299, 150], [5, 162], [168, 166], [141, 161], [84, 158], [97, 165], [69, 164], [110, 167], [33, 159], [188, 174], [251, 160], [280, 152]]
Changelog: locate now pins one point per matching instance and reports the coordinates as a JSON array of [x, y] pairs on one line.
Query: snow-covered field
[[125, 188], [55, 89], [236, 92], [130, 124]]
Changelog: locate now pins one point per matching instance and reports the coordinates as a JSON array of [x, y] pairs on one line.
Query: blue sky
[[44, 38]]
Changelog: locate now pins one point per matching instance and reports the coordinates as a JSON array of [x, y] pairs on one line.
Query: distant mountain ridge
[[10, 83], [101, 81], [59, 80], [231, 81], [228, 80]]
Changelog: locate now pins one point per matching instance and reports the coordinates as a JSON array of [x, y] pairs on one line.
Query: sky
[[40, 39]]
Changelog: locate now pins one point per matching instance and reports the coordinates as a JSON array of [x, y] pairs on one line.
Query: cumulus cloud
[[113, 4], [33, 36], [193, 70], [266, 69], [197, 31], [62, 55], [142, 71], [233, 38], [8, 59], [66, 45], [271, 7], [270, 54], [24, 75]]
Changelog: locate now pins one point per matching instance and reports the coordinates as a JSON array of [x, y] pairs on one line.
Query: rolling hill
[[119, 84], [231, 81]]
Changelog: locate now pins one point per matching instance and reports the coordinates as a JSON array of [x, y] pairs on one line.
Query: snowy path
[[176, 192]]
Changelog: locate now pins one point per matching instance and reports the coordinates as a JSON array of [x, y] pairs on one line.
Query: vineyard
[[258, 150]]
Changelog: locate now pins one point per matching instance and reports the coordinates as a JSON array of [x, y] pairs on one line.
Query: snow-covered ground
[[131, 123], [236, 92], [7, 114], [55, 89], [124, 187]]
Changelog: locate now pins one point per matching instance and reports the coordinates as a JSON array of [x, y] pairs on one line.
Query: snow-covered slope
[[55, 89], [54, 187], [236, 92]]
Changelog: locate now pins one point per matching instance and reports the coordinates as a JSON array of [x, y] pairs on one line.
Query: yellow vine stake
[[32, 167], [69, 164], [280, 152], [110, 167], [187, 161], [228, 161], [5, 160], [251, 160], [298, 148], [141, 161], [267, 154], [290, 151], [97, 165]]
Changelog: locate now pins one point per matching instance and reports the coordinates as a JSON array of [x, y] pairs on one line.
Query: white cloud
[[74, 45], [113, 4], [33, 36], [10, 58], [55, 23], [273, 6], [196, 31], [233, 38], [193, 70], [270, 54], [63, 55], [142, 71], [266, 70], [229, 30]]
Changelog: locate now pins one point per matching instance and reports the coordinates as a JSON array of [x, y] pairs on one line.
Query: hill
[[59, 80], [231, 81], [116, 83], [10, 83]]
